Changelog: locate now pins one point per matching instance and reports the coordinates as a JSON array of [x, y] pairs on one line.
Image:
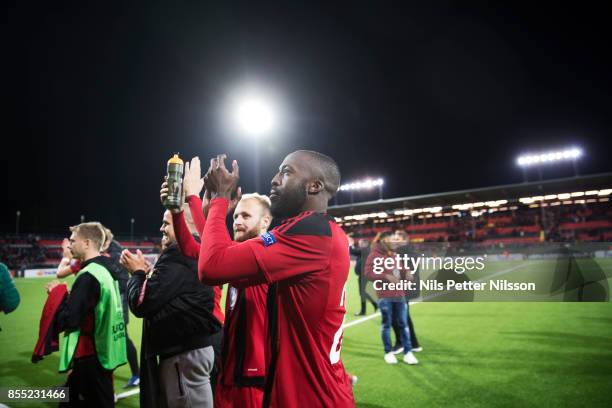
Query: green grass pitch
[[506, 354]]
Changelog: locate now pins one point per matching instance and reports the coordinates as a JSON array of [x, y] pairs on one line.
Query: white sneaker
[[398, 350], [417, 350], [390, 358], [409, 358], [354, 380]]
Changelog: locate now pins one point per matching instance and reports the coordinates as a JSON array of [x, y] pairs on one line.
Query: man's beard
[[289, 203], [245, 235]]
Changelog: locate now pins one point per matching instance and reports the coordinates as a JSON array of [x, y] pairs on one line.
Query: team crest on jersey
[[268, 239], [233, 296]]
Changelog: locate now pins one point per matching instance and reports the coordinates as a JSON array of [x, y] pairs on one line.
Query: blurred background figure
[[391, 302], [113, 249], [9, 297], [360, 250], [404, 248]]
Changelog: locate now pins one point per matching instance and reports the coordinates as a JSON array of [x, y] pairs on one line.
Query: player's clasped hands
[[220, 181], [134, 262]]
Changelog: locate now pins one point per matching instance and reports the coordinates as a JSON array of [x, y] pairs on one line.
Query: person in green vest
[[92, 318]]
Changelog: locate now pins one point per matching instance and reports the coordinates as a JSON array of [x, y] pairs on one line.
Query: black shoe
[[360, 314]]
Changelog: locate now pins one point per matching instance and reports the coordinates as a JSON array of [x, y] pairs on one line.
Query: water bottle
[[174, 200]]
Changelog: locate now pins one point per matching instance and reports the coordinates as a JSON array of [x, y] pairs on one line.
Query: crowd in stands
[[523, 225], [33, 250]]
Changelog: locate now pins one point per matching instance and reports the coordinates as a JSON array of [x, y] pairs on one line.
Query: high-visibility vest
[[109, 326]]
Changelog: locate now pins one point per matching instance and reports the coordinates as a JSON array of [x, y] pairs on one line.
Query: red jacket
[[378, 255]]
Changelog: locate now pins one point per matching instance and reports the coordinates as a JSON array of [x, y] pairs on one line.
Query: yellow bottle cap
[[175, 159]]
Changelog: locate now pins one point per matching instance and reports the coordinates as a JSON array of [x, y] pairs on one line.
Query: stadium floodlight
[[254, 113], [527, 160], [365, 184]]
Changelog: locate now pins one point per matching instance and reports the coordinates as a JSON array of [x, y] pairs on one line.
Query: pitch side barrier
[[542, 272], [50, 272]]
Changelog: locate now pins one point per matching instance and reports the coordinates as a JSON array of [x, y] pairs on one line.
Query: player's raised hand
[[219, 180], [163, 191], [206, 202], [192, 180]]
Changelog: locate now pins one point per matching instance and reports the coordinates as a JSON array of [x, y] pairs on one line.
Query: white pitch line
[[128, 393], [361, 320]]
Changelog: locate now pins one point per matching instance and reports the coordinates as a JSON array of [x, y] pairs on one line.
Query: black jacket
[[120, 274], [178, 316], [356, 252], [176, 306]]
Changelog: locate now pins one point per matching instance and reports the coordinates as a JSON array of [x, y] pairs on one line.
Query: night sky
[[430, 99]]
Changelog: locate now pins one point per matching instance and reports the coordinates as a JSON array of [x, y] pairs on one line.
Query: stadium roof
[[502, 192]]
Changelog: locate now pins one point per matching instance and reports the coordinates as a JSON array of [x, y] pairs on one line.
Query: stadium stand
[[33, 250], [559, 210], [505, 217]]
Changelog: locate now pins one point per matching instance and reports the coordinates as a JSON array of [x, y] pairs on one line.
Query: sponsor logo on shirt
[[268, 239]]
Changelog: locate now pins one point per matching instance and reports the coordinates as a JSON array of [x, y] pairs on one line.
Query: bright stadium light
[[528, 160], [254, 113], [365, 184]]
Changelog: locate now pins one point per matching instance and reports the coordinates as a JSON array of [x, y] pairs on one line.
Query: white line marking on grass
[[361, 320], [128, 393]]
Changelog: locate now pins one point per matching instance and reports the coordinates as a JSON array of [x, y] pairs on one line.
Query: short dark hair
[[329, 170]]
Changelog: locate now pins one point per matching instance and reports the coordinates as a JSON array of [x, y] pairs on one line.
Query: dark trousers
[[89, 384], [397, 330], [132, 354], [364, 295], [217, 343]]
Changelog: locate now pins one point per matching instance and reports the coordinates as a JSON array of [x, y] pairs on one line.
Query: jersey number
[[334, 353]]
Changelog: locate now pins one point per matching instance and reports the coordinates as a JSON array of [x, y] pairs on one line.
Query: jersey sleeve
[[221, 260], [195, 207], [186, 242], [298, 247]]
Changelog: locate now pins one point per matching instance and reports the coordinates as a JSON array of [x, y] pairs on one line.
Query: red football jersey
[[244, 339], [307, 258], [243, 362]]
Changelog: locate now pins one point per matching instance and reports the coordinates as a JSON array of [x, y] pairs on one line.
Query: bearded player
[[307, 257], [242, 379], [242, 373]]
